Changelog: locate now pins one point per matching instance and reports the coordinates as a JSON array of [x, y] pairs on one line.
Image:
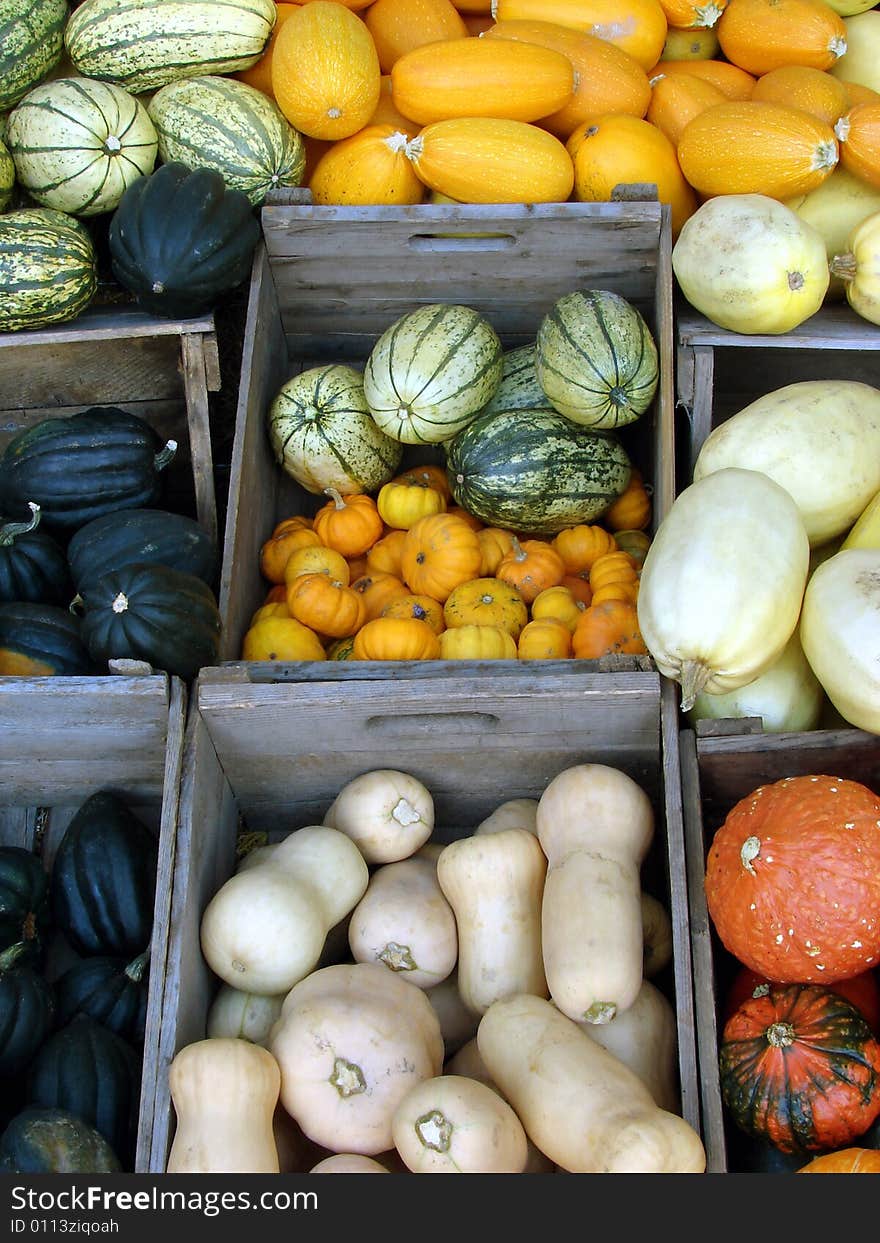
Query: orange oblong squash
[[760, 35], [325, 71], [857, 93], [693, 14], [387, 114], [690, 43], [370, 167], [399, 26], [615, 149], [859, 134], [259, 74], [677, 99], [754, 147], [637, 26], [492, 160], [809, 90], [485, 77], [608, 79], [732, 81]]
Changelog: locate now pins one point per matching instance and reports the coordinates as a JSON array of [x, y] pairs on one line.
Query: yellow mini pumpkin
[[423, 608], [558, 604], [281, 638], [613, 567], [385, 555], [378, 590], [477, 643], [317, 559], [402, 504], [486, 602], [396, 638], [544, 638]]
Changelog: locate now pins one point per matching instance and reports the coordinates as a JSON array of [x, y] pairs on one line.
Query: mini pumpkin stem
[[11, 530], [516, 548], [844, 266], [337, 498], [165, 455], [693, 677], [136, 968]]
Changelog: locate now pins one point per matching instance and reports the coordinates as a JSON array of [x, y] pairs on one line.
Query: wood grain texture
[[195, 387], [835, 326]]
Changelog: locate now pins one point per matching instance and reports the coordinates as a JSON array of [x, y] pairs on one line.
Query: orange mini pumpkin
[[278, 548], [544, 638], [608, 628], [617, 590], [350, 524], [631, 511], [471, 519], [439, 552], [495, 543], [612, 567], [579, 586], [396, 638], [531, 567], [844, 1161], [385, 557], [580, 545], [378, 590], [326, 605], [424, 608]]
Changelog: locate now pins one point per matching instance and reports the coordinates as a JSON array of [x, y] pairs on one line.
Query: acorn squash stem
[[10, 531], [165, 455]]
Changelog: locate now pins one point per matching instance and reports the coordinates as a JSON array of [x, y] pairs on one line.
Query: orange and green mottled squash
[[756, 147], [760, 35]]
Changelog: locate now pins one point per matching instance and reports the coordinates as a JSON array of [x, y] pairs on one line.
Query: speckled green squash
[[31, 42], [520, 388], [48, 269], [7, 177]]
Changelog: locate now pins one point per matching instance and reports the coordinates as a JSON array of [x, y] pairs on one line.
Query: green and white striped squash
[[596, 359], [520, 388], [143, 44], [232, 128], [431, 372], [31, 43], [7, 177], [535, 471], [48, 268], [323, 435], [77, 144]]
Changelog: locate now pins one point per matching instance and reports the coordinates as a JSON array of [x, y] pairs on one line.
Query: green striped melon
[[144, 44], [31, 43], [596, 359], [431, 372], [535, 471], [232, 128], [77, 144], [323, 435], [7, 177], [48, 268], [520, 388]]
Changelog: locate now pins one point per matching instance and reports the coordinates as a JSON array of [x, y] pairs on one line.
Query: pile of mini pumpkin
[[409, 575]]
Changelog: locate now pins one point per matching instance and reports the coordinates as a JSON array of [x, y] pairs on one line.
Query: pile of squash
[[74, 969], [393, 1001]]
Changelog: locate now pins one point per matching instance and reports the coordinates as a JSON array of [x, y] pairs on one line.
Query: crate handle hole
[[481, 243], [424, 724]]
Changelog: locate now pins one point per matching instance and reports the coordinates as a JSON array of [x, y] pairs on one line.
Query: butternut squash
[[243, 1016], [515, 813], [586, 1110], [458, 1024], [454, 1125], [595, 825], [644, 1038], [387, 814], [348, 1163], [656, 936]]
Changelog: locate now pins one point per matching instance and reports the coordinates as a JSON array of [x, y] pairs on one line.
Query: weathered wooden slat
[[195, 386], [836, 326], [107, 324]]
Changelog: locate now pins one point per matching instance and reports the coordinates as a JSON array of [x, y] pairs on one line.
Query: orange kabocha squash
[[531, 567], [693, 14], [607, 628], [439, 552], [637, 26], [326, 605], [388, 114], [259, 74], [760, 35], [399, 26], [579, 546], [517, 81], [614, 149], [608, 79], [757, 148], [859, 133], [732, 81], [424, 608], [277, 549], [402, 504], [808, 90], [396, 638], [350, 524], [844, 1161], [486, 602], [325, 71], [493, 160], [677, 99], [280, 638], [371, 167]]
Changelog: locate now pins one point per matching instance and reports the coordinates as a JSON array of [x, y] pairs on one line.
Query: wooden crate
[[259, 761], [61, 740], [714, 377], [329, 280], [159, 369], [717, 771]]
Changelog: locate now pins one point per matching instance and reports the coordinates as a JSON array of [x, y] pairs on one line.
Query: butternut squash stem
[[693, 677]]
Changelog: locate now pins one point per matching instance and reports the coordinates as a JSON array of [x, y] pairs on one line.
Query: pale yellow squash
[[454, 1125], [865, 531], [244, 1016], [858, 267], [645, 1038], [348, 1163], [786, 698], [388, 814], [835, 208], [657, 946], [458, 1024], [515, 813]]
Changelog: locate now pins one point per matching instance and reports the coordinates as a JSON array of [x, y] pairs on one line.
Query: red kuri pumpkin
[[801, 1068], [793, 880]]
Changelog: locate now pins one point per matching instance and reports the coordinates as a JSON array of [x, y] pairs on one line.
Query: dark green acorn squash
[[53, 1141], [181, 238], [33, 565], [27, 1010], [24, 902], [147, 536], [82, 466], [92, 1073], [103, 880], [41, 640], [110, 991], [153, 613]]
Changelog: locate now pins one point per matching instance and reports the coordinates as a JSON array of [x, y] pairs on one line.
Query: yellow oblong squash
[[760, 35], [689, 43], [492, 160], [498, 78], [369, 167], [755, 147], [733, 82], [693, 16], [809, 90], [608, 79], [637, 26], [398, 26]]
